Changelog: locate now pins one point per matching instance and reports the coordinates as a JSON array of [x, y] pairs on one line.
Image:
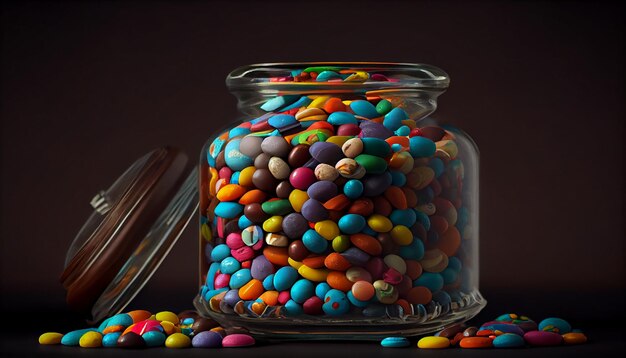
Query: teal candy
[[339, 118], [421, 147], [282, 120], [321, 289], [355, 302], [238, 131], [303, 101], [353, 188], [302, 290], [396, 147], [397, 178], [314, 242], [403, 131], [412, 251], [560, 324], [351, 223], [209, 294], [104, 325], [369, 231], [110, 339], [454, 263], [154, 338], [393, 119], [215, 266], [244, 222], [234, 179], [234, 158], [437, 166], [293, 308], [430, 280], [376, 147], [327, 75], [335, 303], [240, 278], [423, 219], [72, 338], [364, 109], [395, 342], [406, 217], [508, 340], [228, 209], [268, 282], [449, 275], [277, 102], [284, 278], [229, 265], [383, 107], [220, 252], [121, 319]]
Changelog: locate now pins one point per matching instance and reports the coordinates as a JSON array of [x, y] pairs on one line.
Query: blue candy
[[508, 340], [277, 102], [293, 308], [412, 251], [215, 266], [397, 178], [335, 303], [395, 342], [211, 293], [314, 242], [302, 290], [321, 289], [355, 302], [72, 338], [302, 102], [351, 223], [556, 325], [421, 147], [393, 119], [220, 252], [353, 188], [284, 278], [364, 109], [229, 265], [154, 338], [327, 75], [228, 209], [268, 283], [403, 131], [282, 120], [240, 278], [122, 319], [406, 217], [339, 118], [234, 158], [430, 280], [110, 339]]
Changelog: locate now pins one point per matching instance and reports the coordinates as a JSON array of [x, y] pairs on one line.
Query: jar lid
[[134, 225]]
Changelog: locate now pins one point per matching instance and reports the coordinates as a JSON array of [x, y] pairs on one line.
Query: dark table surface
[[603, 323]]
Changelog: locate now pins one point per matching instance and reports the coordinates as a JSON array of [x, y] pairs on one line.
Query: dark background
[[89, 87]]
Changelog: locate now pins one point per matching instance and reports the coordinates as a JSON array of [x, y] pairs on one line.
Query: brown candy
[[299, 155], [131, 340], [451, 331], [255, 213], [433, 133], [264, 180], [470, 332], [364, 207], [203, 324], [382, 206], [262, 161], [283, 189], [297, 250]]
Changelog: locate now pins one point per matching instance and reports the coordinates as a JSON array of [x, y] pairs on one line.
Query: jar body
[[337, 213]]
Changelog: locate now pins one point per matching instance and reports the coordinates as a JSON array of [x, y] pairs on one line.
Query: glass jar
[[335, 208]]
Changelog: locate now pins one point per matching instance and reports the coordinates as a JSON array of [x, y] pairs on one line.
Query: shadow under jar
[[334, 208]]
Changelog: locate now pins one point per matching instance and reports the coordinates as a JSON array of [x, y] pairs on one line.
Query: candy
[[395, 342], [556, 325], [432, 342], [476, 342], [237, 340], [543, 338], [50, 338], [177, 340], [154, 338], [207, 339], [574, 338], [508, 340]]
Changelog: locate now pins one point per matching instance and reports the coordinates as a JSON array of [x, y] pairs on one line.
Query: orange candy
[[253, 196], [111, 329], [419, 295], [270, 298], [139, 315], [322, 125], [450, 241], [411, 197], [334, 105], [314, 261], [335, 261], [230, 192], [413, 269], [367, 243], [339, 202], [363, 290], [403, 141], [339, 281], [476, 342], [396, 197], [251, 290], [276, 255]]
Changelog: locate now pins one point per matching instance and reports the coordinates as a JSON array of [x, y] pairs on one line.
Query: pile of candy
[[507, 331], [139, 329], [333, 206]]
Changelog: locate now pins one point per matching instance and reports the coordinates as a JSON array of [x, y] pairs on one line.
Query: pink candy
[[237, 340], [243, 253], [302, 178]]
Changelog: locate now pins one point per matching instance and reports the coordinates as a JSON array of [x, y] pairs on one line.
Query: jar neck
[[418, 103]]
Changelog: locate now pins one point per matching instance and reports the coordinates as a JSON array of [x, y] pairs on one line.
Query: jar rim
[[402, 76]]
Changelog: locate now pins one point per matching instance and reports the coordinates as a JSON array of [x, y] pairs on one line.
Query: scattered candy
[[433, 343], [395, 342], [50, 338]]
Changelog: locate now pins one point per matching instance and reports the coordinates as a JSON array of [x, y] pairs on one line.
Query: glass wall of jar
[[334, 207]]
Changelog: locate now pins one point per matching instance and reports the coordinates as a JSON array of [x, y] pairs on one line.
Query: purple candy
[[207, 339], [295, 225], [375, 130], [376, 267], [541, 338], [313, 211], [356, 256], [311, 164], [237, 340], [326, 152], [322, 190], [261, 268], [232, 297]]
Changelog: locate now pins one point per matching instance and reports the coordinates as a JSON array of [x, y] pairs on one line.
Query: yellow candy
[[230, 192], [338, 139], [574, 338], [273, 224], [433, 342], [177, 340], [213, 181], [293, 263], [206, 232], [328, 229], [379, 223], [50, 338], [311, 274], [358, 76], [318, 102], [297, 199], [245, 176], [341, 243], [168, 327], [401, 235], [167, 316], [90, 340], [448, 146], [421, 177]]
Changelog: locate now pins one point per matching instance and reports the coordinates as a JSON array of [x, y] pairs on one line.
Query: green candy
[[310, 137], [383, 107], [341, 243], [318, 69], [371, 163], [376, 146], [277, 207]]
